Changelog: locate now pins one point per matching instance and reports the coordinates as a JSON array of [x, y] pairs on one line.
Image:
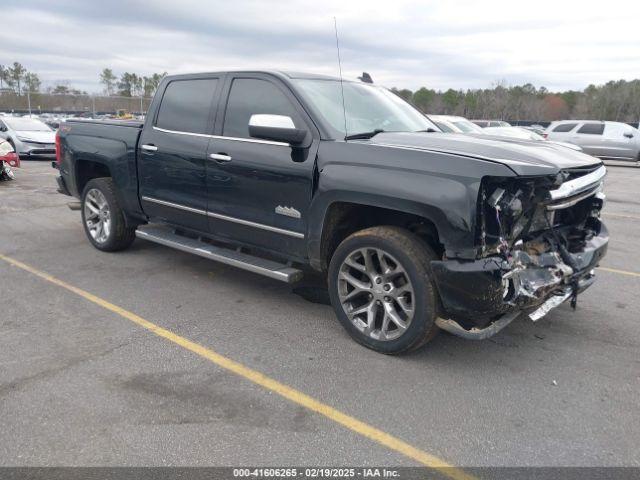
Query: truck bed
[[108, 146]]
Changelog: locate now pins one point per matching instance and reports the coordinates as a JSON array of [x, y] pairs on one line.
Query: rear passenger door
[[172, 152], [589, 137], [260, 190], [619, 141]]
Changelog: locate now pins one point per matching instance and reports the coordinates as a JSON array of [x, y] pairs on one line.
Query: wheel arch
[[345, 215], [86, 170]]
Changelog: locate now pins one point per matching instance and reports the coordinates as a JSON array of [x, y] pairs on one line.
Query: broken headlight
[[510, 208]]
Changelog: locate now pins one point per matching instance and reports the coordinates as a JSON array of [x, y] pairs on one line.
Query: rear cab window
[[592, 129], [186, 105]]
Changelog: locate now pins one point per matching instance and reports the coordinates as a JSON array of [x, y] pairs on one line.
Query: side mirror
[[3, 128], [628, 134], [278, 128]]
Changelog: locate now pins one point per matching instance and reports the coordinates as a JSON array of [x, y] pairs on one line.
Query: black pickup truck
[[281, 173]]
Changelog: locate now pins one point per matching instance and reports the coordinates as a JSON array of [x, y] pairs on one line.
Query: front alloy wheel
[[382, 291], [376, 293]]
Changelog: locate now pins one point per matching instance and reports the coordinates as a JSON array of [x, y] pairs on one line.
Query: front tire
[[103, 218], [381, 289]]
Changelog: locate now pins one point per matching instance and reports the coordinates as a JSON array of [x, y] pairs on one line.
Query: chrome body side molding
[[227, 218]]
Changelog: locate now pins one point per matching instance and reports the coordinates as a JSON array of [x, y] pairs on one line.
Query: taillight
[[545, 135], [58, 148]]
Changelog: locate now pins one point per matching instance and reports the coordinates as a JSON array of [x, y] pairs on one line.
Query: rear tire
[[379, 277], [103, 218]]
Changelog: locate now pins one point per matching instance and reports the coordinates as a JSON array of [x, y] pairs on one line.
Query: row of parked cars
[[34, 137], [603, 139]]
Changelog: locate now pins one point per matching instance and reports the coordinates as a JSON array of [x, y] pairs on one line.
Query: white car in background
[[29, 137], [608, 140], [519, 133], [454, 124]]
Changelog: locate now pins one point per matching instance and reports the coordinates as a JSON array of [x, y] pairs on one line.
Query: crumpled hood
[[524, 157], [35, 136]]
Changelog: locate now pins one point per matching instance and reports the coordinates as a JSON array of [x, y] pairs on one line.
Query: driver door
[[259, 190]]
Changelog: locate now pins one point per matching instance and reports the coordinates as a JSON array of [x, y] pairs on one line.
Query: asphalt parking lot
[[81, 384]]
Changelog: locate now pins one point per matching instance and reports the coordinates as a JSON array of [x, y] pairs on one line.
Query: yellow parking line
[[621, 272], [264, 381]]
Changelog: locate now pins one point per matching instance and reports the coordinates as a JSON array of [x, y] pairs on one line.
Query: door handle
[[149, 148], [220, 157]]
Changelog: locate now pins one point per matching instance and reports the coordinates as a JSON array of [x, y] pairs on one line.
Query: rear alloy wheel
[[103, 219], [97, 216], [381, 289]]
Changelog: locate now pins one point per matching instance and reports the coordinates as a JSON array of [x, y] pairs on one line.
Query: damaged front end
[[539, 240]]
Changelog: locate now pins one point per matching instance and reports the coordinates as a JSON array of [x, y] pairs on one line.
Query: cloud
[[407, 43]]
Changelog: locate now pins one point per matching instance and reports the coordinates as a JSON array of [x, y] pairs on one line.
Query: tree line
[[130, 84], [17, 79], [617, 100]]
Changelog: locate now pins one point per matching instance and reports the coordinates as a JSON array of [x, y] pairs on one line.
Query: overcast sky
[[403, 43]]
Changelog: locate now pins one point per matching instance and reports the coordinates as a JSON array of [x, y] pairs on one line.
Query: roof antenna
[[344, 110]]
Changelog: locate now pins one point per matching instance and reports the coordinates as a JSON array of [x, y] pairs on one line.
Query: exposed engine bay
[[540, 238]]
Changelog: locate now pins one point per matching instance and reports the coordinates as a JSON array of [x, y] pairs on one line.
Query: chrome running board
[[167, 236]]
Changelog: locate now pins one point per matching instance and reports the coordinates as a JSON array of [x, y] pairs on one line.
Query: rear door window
[[250, 96], [186, 105], [565, 127], [592, 128]]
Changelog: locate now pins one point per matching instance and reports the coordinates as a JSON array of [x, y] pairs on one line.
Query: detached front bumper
[[478, 292]]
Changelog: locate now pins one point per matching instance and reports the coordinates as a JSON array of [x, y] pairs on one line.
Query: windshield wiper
[[364, 135], [428, 130]]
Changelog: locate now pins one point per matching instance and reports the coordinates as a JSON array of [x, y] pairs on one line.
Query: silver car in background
[[521, 133], [29, 137], [607, 140]]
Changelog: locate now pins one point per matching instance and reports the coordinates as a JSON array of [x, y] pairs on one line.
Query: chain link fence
[[37, 103]]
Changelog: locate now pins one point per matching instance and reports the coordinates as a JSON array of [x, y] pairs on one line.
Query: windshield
[[21, 124], [467, 127], [368, 108]]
